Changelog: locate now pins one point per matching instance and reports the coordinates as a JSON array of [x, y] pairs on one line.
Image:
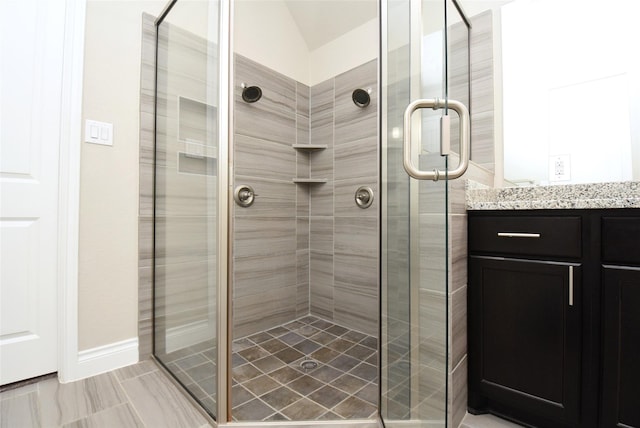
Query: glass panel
[[186, 200], [415, 213]]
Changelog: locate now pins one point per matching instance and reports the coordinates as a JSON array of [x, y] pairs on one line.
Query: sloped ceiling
[[321, 21]]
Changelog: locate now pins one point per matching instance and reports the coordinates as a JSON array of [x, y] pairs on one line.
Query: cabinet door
[[621, 352], [525, 339]]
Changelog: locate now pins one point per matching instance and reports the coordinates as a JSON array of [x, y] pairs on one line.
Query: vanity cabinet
[[554, 316], [621, 322]]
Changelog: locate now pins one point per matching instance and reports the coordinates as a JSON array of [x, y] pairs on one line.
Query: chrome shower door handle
[[436, 104]]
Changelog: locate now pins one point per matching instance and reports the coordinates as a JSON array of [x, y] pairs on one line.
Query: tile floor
[[195, 367], [136, 396], [486, 421], [269, 382]]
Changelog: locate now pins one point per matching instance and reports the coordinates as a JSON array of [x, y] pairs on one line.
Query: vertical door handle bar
[[436, 104], [570, 285]]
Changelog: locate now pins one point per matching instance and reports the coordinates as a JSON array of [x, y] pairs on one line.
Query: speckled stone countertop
[[572, 196]]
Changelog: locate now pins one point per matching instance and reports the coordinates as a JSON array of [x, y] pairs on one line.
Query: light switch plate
[[98, 133]]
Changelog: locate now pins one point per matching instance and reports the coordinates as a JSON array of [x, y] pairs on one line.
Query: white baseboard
[[189, 335], [106, 358]]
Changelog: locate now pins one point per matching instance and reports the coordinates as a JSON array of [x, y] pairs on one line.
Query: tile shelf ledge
[[309, 146], [310, 180]]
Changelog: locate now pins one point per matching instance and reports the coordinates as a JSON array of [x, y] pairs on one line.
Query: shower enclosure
[[299, 273]]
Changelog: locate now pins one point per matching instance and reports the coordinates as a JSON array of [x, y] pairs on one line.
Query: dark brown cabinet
[[621, 322], [554, 317]]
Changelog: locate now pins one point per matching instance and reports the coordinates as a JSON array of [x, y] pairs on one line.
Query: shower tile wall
[[482, 94], [305, 247], [265, 268], [343, 238], [145, 205], [185, 226]]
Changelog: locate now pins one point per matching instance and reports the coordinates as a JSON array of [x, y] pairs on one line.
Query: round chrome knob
[[244, 195], [364, 197]]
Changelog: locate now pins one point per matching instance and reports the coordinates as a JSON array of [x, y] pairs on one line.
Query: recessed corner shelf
[[309, 146], [310, 180]]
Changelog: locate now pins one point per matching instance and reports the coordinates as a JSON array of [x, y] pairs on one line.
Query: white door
[[31, 62]]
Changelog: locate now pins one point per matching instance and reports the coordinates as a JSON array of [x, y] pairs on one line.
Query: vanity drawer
[[526, 235], [621, 240]]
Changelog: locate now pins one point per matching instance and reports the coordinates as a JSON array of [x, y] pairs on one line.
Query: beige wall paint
[[108, 259]]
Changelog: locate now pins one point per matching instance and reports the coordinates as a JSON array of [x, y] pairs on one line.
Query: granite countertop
[[571, 196]]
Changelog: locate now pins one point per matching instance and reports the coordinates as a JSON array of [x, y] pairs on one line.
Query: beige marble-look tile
[[432, 390], [278, 91], [145, 241], [486, 421], [302, 294], [302, 200], [302, 233], [321, 132], [321, 284], [180, 194], [321, 234], [458, 326], [184, 239], [64, 403], [458, 251], [433, 329], [160, 404], [145, 313], [303, 130], [256, 312], [321, 203], [274, 198], [121, 416], [21, 390], [261, 272], [353, 122], [321, 98], [356, 273], [356, 158], [135, 370], [20, 411], [254, 120], [432, 252], [262, 158], [303, 93], [145, 202], [344, 197], [356, 308], [457, 406]]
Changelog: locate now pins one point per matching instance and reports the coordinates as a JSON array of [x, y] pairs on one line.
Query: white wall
[[566, 91], [265, 32], [348, 51], [108, 259]]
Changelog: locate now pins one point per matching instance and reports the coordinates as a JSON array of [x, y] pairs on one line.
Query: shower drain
[[308, 365]]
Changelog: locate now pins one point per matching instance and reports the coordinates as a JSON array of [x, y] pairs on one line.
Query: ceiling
[[321, 21]]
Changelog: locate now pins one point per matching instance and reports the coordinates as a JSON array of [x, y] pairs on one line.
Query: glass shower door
[[415, 217], [189, 163]]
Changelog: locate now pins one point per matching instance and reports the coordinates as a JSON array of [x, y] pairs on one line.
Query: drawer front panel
[[621, 240], [526, 235]]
